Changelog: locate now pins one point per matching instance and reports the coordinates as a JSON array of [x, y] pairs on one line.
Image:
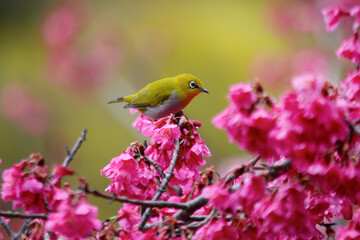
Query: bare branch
[[203, 222], [163, 184], [22, 215], [7, 228], [70, 155], [149, 203]]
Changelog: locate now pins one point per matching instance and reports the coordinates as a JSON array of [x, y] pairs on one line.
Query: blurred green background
[[68, 59]]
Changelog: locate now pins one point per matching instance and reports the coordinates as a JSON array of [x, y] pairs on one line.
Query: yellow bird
[[165, 96]]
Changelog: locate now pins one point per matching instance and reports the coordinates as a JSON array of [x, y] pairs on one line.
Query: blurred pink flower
[[82, 71], [286, 18], [20, 107], [74, 219], [355, 12], [72, 67], [351, 86], [309, 82], [216, 229], [332, 16], [62, 25], [308, 61], [242, 95], [248, 127], [308, 124], [350, 49], [219, 196], [284, 212]]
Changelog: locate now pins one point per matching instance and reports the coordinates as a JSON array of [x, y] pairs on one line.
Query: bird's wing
[[146, 98]]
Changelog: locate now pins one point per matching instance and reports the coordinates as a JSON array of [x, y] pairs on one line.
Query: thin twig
[[156, 166], [7, 228], [76, 147], [163, 184], [243, 169], [145, 203], [203, 222], [22, 215]]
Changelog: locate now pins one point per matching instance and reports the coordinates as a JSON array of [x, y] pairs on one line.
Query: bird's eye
[[192, 84]]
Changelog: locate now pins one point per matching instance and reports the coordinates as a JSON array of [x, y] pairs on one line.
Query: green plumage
[[165, 96]]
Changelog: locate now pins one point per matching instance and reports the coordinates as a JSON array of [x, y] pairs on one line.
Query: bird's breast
[[171, 105]]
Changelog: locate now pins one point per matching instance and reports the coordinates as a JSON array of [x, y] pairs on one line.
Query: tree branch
[[203, 222], [7, 228], [22, 215], [146, 203], [76, 147], [163, 184]]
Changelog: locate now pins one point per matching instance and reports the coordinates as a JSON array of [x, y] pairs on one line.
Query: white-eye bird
[[165, 96]]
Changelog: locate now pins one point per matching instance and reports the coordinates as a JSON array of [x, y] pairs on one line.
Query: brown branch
[[8, 214], [163, 184], [70, 155], [145, 203]]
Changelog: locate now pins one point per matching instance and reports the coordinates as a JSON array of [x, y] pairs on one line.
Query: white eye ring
[[192, 84]]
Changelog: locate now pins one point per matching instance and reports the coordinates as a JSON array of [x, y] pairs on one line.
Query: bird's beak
[[203, 90], [116, 100]]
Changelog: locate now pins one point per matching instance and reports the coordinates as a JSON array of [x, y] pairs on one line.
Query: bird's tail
[[120, 99]]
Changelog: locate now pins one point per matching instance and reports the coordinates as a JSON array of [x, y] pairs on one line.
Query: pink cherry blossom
[[307, 81], [192, 151], [166, 135], [308, 125], [284, 212], [129, 177], [59, 172], [145, 125], [250, 192], [218, 195], [332, 16], [74, 219], [242, 95], [213, 230], [351, 86], [24, 189], [350, 49], [248, 129]]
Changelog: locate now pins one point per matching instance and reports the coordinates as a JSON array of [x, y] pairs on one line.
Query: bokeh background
[[62, 61]]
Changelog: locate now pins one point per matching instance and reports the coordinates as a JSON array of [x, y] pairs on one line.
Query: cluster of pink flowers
[[138, 178], [129, 177], [19, 106], [69, 66], [27, 185]]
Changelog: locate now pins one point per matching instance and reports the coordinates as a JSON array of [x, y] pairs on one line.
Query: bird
[[163, 97]]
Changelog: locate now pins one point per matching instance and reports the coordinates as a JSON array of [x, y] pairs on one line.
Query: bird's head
[[188, 86]]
